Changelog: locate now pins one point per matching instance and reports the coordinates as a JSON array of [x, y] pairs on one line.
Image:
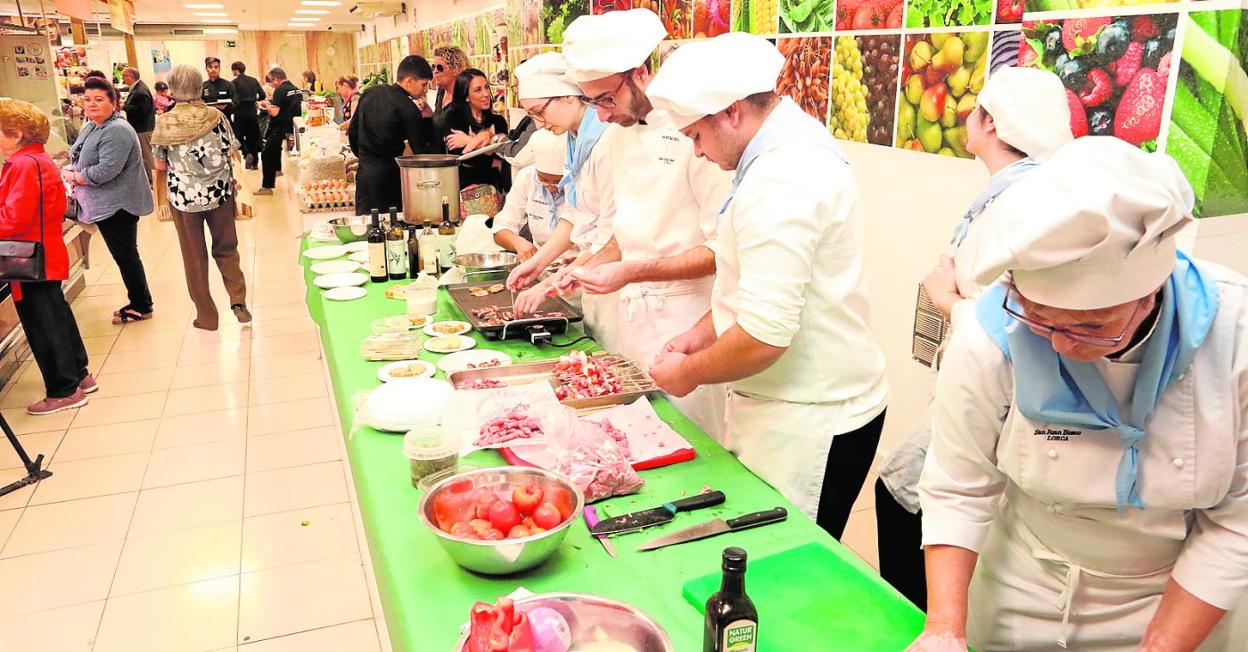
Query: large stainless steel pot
[[427, 178]]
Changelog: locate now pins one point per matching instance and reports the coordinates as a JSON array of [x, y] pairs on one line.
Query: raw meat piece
[[508, 427], [581, 376], [482, 383], [599, 464]]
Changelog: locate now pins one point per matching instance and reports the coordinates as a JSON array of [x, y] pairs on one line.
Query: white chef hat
[[1092, 227], [549, 151], [1029, 108], [606, 44], [542, 76], [705, 77]]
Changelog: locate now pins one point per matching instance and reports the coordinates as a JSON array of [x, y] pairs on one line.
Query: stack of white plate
[[407, 404]]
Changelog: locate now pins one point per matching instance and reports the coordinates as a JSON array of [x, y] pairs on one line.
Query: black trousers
[[377, 185], [247, 129], [271, 158], [52, 333], [121, 234], [849, 461], [900, 537]]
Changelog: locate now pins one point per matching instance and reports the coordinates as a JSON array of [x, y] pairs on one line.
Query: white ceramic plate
[[335, 267], [436, 344], [360, 257], [460, 361], [330, 281], [422, 370], [461, 327], [345, 293], [356, 247], [325, 253]]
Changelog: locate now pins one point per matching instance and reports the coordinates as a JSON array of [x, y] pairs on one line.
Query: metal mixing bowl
[[350, 229], [592, 616], [509, 555], [497, 261]]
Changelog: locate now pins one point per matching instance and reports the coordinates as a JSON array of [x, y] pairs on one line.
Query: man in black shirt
[[140, 111], [218, 93], [282, 109], [385, 118], [247, 92]]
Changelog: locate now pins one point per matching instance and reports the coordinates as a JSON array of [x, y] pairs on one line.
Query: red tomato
[[462, 530], [493, 534], [484, 500], [563, 501], [527, 522], [527, 497], [503, 515], [518, 532], [866, 18], [479, 525], [547, 516], [452, 507]]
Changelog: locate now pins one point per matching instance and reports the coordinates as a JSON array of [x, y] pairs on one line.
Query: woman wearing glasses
[[1087, 483], [554, 104]]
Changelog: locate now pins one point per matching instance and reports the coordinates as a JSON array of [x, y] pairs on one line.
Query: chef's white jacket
[[528, 204], [1193, 464]]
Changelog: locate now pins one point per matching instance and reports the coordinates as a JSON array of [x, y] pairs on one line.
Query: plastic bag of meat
[[511, 419], [595, 456]]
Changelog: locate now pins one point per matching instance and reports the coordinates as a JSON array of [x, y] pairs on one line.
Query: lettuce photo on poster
[[558, 14], [805, 16], [1208, 131], [949, 13]]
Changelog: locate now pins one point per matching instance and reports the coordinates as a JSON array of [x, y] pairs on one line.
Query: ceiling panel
[[246, 14]]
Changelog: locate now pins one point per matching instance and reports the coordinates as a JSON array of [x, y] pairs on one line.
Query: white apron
[[601, 313], [650, 315]]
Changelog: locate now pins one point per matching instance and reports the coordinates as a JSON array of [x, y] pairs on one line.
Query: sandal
[[241, 313], [127, 314]]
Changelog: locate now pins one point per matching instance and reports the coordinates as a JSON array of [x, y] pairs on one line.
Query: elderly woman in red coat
[[32, 205]]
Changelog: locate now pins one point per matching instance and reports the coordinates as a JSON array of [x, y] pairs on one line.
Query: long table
[[426, 596]]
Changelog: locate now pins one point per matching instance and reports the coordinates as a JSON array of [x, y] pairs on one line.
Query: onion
[[550, 631]]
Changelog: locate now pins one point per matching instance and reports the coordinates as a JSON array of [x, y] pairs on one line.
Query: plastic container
[[422, 300], [430, 451]]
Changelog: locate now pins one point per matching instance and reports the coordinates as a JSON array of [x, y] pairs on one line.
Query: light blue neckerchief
[[580, 146], [1056, 390], [553, 200], [787, 124], [1004, 178]]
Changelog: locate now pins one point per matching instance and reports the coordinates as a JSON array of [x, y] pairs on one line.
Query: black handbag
[[22, 260]]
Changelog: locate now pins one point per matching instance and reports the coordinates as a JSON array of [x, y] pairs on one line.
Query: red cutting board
[[676, 457]]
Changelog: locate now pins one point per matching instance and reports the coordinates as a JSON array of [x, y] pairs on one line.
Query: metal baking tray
[[517, 328], [634, 381]]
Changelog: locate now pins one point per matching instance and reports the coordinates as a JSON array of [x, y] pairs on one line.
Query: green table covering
[[426, 596]]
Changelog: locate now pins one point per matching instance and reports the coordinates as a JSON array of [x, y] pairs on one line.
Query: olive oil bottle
[[731, 619], [446, 238]]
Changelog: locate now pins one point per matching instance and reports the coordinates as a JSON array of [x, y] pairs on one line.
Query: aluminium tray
[[635, 382]]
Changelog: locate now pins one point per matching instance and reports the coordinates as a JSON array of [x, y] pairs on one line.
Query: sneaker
[[263, 191], [88, 385], [53, 405], [250, 161], [241, 312]]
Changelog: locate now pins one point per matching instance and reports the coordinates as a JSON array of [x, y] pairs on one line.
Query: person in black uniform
[[140, 110], [218, 93], [385, 118], [247, 92], [282, 109]]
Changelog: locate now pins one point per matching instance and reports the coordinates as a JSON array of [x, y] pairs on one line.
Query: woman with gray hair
[[193, 144]]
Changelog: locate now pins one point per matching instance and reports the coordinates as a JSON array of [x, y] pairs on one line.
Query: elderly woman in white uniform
[[666, 200], [554, 104], [787, 329], [1087, 483], [536, 201], [1021, 117]]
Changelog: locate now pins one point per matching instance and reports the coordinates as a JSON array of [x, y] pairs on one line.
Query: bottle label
[[740, 636], [446, 251], [377, 259], [396, 257]]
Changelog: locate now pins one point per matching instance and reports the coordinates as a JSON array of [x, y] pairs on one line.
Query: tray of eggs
[[327, 195]]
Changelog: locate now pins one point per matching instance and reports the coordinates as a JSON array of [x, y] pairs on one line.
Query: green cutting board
[[829, 604]]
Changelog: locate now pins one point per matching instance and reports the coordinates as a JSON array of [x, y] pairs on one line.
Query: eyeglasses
[[606, 101], [1047, 330], [438, 67], [540, 112]]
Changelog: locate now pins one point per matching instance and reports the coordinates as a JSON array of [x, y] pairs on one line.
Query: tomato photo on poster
[[1115, 70], [711, 18], [857, 15]]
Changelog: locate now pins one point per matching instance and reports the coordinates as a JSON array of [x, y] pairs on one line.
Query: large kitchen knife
[[591, 519], [657, 515], [717, 526]]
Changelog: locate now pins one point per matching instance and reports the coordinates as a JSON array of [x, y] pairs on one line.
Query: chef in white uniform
[[554, 104], [536, 201], [787, 329], [1088, 474], [666, 200]]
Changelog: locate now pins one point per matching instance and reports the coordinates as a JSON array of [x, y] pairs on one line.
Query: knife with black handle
[[657, 515], [718, 526]]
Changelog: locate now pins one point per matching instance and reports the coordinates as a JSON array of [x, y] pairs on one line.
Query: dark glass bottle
[[413, 251], [377, 250], [731, 619], [396, 248]]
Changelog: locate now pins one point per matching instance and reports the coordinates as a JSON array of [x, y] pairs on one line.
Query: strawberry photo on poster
[[1115, 70]]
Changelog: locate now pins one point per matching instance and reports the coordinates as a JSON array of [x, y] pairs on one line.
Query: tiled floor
[[200, 501]]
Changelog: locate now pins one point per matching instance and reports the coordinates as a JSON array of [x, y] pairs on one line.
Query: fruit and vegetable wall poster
[[1165, 76]]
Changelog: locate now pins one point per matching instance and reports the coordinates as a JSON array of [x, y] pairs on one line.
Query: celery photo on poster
[[1208, 132]]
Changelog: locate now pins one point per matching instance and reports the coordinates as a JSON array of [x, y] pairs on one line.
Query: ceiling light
[[320, 3], [210, 6], [305, 19], [220, 31], [216, 21], [302, 25], [211, 14], [312, 12]]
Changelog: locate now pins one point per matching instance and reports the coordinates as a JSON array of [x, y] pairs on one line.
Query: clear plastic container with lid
[[430, 450]]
